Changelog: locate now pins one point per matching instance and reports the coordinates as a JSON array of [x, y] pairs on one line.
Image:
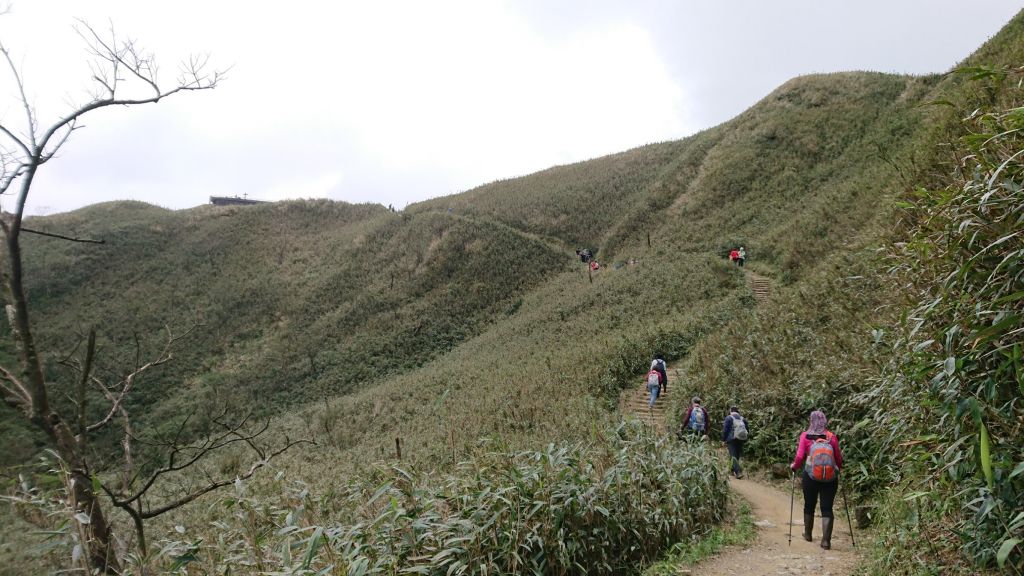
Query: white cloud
[[394, 101]]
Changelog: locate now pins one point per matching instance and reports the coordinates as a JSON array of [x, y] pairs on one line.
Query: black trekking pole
[[792, 492], [849, 522]]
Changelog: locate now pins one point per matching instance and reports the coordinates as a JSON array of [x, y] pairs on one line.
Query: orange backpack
[[821, 460]]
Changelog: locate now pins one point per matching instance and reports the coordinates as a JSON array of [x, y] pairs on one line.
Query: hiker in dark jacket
[[734, 434], [658, 363], [819, 457], [696, 419]]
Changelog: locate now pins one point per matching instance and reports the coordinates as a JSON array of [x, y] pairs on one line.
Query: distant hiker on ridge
[[741, 256], [817, 452], [734, 256], [696, 420], [658, 363], [735, 434]]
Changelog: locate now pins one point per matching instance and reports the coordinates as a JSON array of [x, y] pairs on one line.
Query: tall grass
[[958, 375], [610, 506]]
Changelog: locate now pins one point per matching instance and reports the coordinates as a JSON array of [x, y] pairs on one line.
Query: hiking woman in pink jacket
[[817, 453]]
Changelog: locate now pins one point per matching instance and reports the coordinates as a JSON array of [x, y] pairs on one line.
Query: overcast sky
[[397, 101]]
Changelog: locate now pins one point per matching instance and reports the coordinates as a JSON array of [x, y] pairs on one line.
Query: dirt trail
[[770, 554]]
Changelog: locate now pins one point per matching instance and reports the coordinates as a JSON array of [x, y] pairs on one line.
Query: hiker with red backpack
[[653, 386], [818, 455]]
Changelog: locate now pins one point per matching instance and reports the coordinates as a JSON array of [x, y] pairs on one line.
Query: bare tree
[[123, 75]]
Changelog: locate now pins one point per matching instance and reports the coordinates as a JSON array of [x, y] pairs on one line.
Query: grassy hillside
[[465, 327]]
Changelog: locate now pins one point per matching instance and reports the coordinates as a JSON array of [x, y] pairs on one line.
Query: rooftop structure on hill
[[234, 200]]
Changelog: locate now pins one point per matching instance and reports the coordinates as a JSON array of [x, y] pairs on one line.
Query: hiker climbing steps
[[634, 403], [759, 285]]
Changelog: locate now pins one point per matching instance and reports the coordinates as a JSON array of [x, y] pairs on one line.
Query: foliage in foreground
[[917, 360], [607, 507], [957, 378]]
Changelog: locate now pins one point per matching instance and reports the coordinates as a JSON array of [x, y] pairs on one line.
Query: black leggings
[[813, 489]]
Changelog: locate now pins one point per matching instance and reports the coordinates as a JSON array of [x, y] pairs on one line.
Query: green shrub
[[608, 507]]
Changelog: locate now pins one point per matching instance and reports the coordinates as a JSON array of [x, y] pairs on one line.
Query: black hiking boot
[[826, 533], [808, 527]]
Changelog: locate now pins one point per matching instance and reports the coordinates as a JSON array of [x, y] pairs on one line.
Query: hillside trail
[[759, 285], [634, 402], [771, 554]]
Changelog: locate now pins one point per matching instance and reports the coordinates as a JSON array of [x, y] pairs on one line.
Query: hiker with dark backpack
[[696, 420], [818, 455], [735, 434], [658, 363]]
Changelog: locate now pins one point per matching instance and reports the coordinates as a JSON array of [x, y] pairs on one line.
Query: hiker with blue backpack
[[819, 458], [735, 434], [696, 420]]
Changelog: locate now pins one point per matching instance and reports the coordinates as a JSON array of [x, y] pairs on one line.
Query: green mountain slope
[[301, 301]]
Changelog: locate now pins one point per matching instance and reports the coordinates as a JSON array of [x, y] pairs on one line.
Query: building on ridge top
[[243, 200]]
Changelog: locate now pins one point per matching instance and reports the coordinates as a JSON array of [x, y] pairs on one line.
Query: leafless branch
[[15, 390], [112, 56], [126, 384], [20, 160], [191, 454], [62, 237], [17, 141], [153, 512], [90, 352], [30, 116]]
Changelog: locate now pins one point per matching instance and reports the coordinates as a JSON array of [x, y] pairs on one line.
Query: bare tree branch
[[24, 147], [117, 62], [90, 351], [30, 116], [126, 387], [18, 391], [153, 512], [62, 237]]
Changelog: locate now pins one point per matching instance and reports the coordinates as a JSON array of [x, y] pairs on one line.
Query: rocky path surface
[[771, 554]]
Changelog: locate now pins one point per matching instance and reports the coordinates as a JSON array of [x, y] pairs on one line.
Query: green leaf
[[949, 366], [1018, 470], [315, 542], [986, 456], [1004, 551]]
